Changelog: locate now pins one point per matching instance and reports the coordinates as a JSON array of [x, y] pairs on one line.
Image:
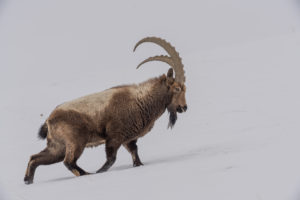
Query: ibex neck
[[154, 98]]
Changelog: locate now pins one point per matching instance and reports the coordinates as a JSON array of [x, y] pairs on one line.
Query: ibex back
[[114, 117]]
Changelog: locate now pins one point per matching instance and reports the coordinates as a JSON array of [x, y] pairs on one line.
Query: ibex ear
[[170, 79], [170, 73]]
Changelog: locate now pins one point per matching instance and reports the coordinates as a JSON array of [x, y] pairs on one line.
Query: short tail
[[43, 131]]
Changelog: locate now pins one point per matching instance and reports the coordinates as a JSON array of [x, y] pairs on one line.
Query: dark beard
[[172, 118]]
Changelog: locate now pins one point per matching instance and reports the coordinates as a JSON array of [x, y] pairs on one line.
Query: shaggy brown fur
[[117, 116], [130, 114]]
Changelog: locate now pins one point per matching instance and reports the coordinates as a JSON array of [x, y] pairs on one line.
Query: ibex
[[117, 116]]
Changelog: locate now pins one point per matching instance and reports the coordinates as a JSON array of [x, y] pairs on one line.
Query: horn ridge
[[174, 55], [162, 58]]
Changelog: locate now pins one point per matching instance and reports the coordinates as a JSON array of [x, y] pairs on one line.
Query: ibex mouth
[[181, 109]]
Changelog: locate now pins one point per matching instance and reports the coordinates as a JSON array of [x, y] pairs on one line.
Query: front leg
[[133, 150], [111, 149]]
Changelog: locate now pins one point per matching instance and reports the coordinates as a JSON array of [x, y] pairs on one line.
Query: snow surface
[[239, 139]]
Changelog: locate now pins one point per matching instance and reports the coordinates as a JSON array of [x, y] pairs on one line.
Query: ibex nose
[[185, 108]]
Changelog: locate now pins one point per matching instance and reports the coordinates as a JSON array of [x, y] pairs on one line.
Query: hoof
[[101, 171], [28, 180], [137, 164]]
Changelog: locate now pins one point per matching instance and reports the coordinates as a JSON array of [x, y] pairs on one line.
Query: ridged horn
[[174, 55], [162, 58]]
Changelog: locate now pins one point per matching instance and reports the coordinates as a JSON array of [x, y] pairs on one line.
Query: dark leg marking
[[46, 157], [133, 150], [73, 152], [111, 149]]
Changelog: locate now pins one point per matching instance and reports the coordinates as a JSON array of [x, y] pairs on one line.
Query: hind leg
[[73, 152], [48, 156]]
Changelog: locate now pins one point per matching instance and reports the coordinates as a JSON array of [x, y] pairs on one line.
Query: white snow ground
[[239, 139]]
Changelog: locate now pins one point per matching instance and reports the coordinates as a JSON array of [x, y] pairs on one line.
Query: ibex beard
[[117, 116]]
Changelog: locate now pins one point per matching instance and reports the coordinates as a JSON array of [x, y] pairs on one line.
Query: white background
[[238, 140]]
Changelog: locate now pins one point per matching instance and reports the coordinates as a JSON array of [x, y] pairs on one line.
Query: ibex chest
[[145, 123]]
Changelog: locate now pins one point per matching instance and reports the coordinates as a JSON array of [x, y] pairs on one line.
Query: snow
[[239, 138]]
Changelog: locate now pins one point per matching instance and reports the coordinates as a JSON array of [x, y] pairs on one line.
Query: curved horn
[[174, 55], [162, 58]]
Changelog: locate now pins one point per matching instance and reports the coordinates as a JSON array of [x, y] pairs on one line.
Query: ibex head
[[176, 86]]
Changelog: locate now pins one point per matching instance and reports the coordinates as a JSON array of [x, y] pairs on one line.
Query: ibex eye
[[177, 89]]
